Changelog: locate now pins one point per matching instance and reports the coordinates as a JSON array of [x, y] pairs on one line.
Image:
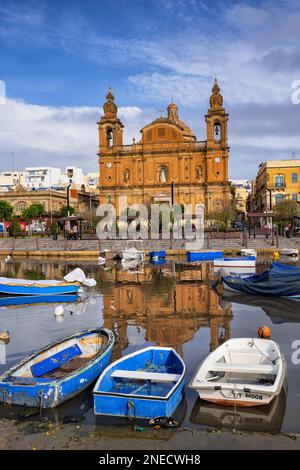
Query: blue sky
[[57, 59]]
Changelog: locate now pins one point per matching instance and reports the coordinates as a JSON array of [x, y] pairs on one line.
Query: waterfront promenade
[[35, 246]]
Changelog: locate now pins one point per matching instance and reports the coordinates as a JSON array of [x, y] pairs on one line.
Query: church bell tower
[[110, 126]]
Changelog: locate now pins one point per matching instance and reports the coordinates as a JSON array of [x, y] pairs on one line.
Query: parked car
[[238, 224]]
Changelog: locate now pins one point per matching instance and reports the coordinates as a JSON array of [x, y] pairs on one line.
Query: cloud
[[57, 136], [252, 48]]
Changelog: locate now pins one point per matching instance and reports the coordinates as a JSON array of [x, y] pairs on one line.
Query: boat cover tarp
[[77, 275], [280, 280]]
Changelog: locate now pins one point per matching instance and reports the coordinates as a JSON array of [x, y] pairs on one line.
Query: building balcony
[[277, 187]]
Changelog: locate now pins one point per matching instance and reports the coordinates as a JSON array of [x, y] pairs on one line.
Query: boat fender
[[131, 407], [276, 255], [264, 332]]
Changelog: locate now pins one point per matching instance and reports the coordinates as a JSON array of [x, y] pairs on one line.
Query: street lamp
[[68, 198]]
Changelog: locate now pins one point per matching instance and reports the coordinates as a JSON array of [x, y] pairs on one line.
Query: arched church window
[[217, 132], [109, 137], [163, 174]]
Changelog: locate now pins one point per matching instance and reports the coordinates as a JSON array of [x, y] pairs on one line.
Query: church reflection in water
[[170, 303]]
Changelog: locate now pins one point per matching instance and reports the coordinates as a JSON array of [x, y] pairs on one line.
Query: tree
[[222, 217], [14, 227], [6, 211], [34, 211], [285, 211], [54, 229], [64, 211]]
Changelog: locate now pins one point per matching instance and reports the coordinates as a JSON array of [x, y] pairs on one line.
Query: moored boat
[[11, 286], [59, 371], [242, 264], [131, 252], [248, 252], [291, 252], [242, 372], [203, 255], [280, 280], [145, 384]]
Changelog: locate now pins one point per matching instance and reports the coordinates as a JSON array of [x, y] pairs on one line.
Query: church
[[168, 164]]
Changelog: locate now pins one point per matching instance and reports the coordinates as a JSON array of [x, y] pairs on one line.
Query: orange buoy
[[264, 332]]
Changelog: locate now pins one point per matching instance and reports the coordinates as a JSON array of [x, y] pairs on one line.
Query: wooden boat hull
[[50, 392], [111, 402], [31, 289]]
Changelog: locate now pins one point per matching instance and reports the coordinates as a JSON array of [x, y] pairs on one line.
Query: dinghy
[[248, 252], [245, 264], [58, 372], [242, 372], [203, 255], [145, 384], [11, 286], [291, 252]]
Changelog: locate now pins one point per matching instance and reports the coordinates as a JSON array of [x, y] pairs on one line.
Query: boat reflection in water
[[266, 418], [279, 310]]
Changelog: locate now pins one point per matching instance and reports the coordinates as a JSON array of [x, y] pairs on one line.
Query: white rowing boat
[[248, 252], [236, 265], [242, 372], [292, 252]]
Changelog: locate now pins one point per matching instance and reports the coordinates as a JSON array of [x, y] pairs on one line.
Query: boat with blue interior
[[59, 371], [144, 384]]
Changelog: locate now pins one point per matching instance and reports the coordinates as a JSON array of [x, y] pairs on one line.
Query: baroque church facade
[[168, 164]]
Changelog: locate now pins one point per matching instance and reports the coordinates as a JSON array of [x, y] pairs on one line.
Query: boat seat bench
[[242, 368], [55, 361], [141, 375]]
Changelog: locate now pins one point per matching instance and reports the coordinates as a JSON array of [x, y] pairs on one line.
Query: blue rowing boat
[[280, 280], [145, 384], [13, 287], [20, 300], [203, 255], [59, 371]]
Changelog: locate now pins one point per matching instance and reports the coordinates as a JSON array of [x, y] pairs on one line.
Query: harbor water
[[170, 304]]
